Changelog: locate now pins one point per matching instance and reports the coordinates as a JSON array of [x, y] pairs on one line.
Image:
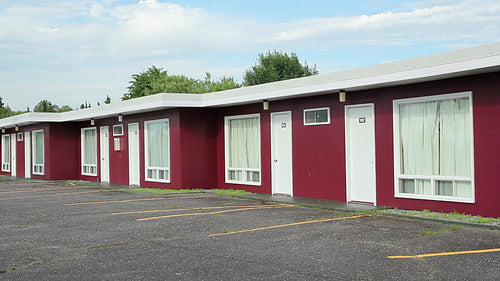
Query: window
[[157, 150], [5, 153], [38, 152], [20, 137], [117, 130], [433, 148], [317, 116], [242, 149], [89, 151]]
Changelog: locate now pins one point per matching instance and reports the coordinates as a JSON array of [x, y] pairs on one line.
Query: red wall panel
[[319, 151]]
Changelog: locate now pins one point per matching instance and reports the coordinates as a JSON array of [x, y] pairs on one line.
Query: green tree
[[5, 110], [65, 108], [276, 66], [45, 106], [156, 80]]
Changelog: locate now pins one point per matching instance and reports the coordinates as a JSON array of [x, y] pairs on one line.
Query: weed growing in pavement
[[230, 192], [164, 191], [440, 231]]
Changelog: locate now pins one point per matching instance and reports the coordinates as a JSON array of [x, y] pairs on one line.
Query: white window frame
[[6, 165], [156, 170], [317, 123], [118, 133], [38, 169], [433, 178], [226, 151], [88, 169]]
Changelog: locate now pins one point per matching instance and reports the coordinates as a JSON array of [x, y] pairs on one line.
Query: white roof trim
[[481, 59]]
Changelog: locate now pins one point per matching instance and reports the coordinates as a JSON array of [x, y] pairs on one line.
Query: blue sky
[[72, 51]]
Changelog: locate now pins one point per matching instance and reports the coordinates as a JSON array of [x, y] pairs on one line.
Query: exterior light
[[341, 96], [92, 122], [265, 104], [120, 118], [3, 130], [16, 128]]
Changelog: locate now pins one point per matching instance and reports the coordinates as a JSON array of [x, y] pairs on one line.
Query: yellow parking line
[[210, 213], [141, 199], [445, 254], [182, 208], [288, 224]]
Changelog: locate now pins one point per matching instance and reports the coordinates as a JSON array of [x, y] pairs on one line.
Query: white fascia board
[[29, 118]]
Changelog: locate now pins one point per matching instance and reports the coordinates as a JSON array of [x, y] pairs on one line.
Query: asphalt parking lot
[[60, 231]]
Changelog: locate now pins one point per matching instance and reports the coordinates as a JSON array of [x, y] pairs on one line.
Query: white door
[[281, 151], [104, 151], [360, 153], [13, 164], [133, 154], [27, 154]]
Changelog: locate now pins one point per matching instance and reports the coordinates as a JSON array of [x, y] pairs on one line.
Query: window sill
[[243, 183], [157, 180], [436, 198]]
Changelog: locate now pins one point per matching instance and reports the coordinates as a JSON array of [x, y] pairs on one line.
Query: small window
[[117, 130], [19, 136], [317, 116]]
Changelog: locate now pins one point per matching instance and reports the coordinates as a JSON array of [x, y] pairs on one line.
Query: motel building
[[422, 133]]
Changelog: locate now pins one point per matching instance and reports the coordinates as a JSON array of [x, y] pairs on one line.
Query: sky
[[76, 51]]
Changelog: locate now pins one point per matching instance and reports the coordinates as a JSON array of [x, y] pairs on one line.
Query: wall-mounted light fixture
[[120, 118], [342, 96], [92, 122], [265, 104], [16, 128], [3, 130]]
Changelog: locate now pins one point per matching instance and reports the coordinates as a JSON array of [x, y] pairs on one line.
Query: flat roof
[[474, 60]]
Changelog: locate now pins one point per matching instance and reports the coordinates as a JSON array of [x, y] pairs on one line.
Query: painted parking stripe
[[213, 213], [48, 195], [140, 199], [288, 224], [184, 208], [446, 254]]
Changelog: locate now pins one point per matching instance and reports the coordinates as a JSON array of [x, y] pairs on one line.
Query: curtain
[[244, 143], [90, 142], [39, 148], [435, 140], [6, 148], [158, 150]]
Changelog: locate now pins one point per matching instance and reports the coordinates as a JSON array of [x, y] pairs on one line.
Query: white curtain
[[158, 151], [244, 143], [39, 148], [90, 142], [435, 140], [6, 148]]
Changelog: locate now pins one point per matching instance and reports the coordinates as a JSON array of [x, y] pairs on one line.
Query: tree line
[[270, 67]]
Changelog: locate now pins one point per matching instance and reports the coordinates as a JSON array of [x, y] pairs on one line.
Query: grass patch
[[441, 230], [164, 191], [230, 192]]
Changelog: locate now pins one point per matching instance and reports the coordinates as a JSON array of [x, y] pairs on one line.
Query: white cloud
[[106, 41]]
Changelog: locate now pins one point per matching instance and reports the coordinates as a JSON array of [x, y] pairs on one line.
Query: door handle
[[275, 160]]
